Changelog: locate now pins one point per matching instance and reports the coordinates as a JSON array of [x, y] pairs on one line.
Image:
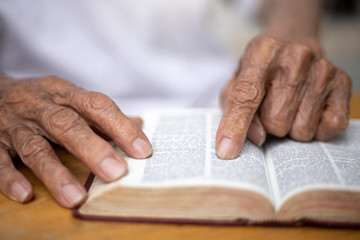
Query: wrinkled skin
[[279, 88], [34, 110], [282, 89]]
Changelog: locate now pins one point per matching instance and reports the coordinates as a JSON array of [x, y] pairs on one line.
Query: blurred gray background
[[340, 35]]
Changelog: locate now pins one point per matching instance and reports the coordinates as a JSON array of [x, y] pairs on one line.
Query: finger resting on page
[[106, 116], [73, 132]]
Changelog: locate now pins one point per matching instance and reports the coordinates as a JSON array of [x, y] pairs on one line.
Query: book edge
[[237, 222]]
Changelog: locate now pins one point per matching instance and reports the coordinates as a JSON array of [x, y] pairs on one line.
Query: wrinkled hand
[[34, 110], [282, 88]]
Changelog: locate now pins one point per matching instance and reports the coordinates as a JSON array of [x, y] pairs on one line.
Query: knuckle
[[295, 61], [18, 93], [300, 54], [52, 173], [325, 65], [324, 73], [276, 128], [245, 93], [345, 80], [49, 81], [338, 123], [32, 145], [55, 85], [5, 166], [300, 50], [275, 122], [303, 132], [260, 51], [247, 89], [5, 169], [126, 127], [99, 102], [60, 120], [264, 40]]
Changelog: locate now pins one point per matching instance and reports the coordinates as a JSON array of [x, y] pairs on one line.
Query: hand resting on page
[[33, 111], [282, 88]]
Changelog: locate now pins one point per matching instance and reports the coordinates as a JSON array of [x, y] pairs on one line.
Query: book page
[[296, 166], [344, 152], [248, 168], [184, 155], [179, 149]]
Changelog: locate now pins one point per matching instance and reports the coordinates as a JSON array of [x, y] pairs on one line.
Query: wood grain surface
[[43, 218]]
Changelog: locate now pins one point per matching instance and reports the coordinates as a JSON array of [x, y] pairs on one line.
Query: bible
[[283, 183]]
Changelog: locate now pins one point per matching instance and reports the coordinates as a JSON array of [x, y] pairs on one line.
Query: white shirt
[[142, 53]]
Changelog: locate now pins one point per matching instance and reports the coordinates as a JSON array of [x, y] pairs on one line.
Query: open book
[[284, 182]]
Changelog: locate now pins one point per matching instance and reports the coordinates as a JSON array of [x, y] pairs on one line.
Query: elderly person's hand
[[33, 111], [283, 84], [282, 88]]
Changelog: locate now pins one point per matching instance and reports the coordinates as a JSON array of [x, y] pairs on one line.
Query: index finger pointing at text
[[245, 96]]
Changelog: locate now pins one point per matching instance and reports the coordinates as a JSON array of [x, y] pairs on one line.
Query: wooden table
[[43, 218]]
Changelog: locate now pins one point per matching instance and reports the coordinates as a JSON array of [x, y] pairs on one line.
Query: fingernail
[[72, 194], [256, 134], [226, 148], [112, 168], [142, 148], [262, 138], [19, 192]]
